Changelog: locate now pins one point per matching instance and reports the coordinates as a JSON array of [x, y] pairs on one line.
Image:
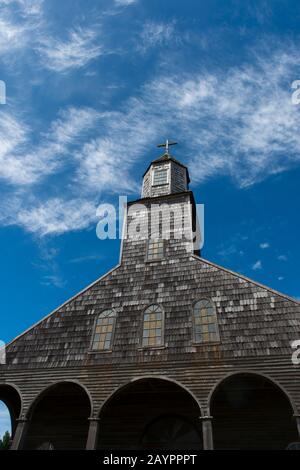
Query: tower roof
[[167, 157]]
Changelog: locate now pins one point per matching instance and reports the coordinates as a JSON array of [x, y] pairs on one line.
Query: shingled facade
[[166, 351]]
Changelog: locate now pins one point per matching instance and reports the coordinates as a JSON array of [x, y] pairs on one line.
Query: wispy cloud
[[264, 245], [102, 167], [22, 162], [48, 265], [28, 7], [77, 50], [124, 2], [25, 27], [232, 123], [53, 280], [282, 258], [228, 250], [57, 216], [86, 258], [155, 34], [16, 33], [235, 123], [11, 35], [105, 163], [257, 265]]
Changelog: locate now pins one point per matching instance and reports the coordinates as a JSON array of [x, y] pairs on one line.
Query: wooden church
[[165, 351]]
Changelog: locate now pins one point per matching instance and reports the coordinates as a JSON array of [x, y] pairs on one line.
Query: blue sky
[[93, 86]]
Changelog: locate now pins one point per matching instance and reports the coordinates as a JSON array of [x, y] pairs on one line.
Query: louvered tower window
[[160, 176], [104, 330], [205, 322], [153, 324]]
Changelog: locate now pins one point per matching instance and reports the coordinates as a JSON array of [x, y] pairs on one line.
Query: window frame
[[110, 349], [147, 250], [209, 342], [154, 169], [151, 346]]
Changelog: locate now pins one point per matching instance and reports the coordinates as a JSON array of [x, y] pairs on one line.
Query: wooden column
[[91, 443], [19, 435], [208, 442]]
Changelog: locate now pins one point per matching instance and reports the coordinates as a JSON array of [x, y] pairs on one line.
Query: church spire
[[165, 175]]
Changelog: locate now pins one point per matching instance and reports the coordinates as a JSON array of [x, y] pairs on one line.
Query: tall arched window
[[205, 322], [104, 330], [153, 324]]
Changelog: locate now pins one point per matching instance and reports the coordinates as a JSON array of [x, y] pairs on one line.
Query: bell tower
[[165, 175], [162, 225]]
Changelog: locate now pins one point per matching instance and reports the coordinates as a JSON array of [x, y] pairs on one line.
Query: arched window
[[205, 322], [153, 323], [104, 330]]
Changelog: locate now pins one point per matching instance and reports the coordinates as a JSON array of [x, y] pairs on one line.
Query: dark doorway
[[151, 413], [59, 419], [250, 412]]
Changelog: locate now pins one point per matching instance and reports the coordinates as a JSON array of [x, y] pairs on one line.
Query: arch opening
[[150, 413], [5, 427], [59, 418], [10, 409], [250, 412]]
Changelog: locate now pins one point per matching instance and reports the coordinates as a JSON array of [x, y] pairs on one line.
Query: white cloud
[[83, 259], [257, 265], [105, 163], [29, 7], [240, 123], [228, 251], [71, 124], [282, 258], [11, 35], [57, 216], [25, 27], [155, 34], [15, 34], [264, 246], [280, 278], [102, 166], [125, 2], [80, 47], [22, 163], [53, 280]]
